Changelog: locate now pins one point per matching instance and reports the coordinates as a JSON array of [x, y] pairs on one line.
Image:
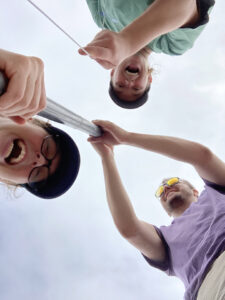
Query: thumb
[[101, 53], [81, 52], [105, 64]]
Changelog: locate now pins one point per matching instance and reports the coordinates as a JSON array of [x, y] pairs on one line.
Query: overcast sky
[[69, 248]]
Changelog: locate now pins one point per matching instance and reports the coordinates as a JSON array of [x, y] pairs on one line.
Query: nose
[[39, 160], [166, 188]]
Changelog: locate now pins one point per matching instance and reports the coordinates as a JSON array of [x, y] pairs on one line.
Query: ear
[[112, 72], [150, 78], [196, 193]]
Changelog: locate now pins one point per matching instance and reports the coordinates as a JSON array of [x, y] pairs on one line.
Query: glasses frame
[[48, 165], [166, 184]]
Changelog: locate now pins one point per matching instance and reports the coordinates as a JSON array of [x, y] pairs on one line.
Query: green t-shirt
[[116, 14]]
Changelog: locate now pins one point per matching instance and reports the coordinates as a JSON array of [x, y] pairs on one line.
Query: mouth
[[16, 152], [132, 71]]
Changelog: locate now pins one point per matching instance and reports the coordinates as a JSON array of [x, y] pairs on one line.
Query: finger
[[23, 106], [103, 124], [43, 100], [92, 143], [32, 109], [15, 91], [81, 52], [97, 52], [96, 140], [38, 102]]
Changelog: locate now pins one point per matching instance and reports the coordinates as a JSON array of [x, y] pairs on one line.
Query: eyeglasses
[[38, 176], [170, 182]]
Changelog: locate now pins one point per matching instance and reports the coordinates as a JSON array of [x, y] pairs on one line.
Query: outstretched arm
[[206, 163], [110, 48], [160, 17], [141, 234]]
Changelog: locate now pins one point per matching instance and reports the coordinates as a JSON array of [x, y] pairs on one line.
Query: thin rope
[[69, 36]]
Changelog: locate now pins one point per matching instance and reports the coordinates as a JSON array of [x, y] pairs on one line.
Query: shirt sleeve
[[165, 265], [176, 42], [217, 187], [94, 9], [182, 39]]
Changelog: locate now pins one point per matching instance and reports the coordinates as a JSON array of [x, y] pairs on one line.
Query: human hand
[[112, 134], [108, 48], [25, 95], [102, 149]]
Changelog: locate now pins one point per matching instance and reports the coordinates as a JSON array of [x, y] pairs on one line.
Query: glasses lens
[[49, 147], [38, 177], [173, 181], [159, 191]]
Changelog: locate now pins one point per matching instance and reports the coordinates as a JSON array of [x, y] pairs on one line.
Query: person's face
[[20, 151], [177, 198], [132, 77]]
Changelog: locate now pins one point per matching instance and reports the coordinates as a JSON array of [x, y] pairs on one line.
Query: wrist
[[127, 42], [132, 37], [107, 157], [127, 138]]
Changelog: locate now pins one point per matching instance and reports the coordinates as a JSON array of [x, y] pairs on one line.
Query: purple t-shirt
[[195, 239]]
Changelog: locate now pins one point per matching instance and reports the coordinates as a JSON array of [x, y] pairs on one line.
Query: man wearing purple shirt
[[192, 247]]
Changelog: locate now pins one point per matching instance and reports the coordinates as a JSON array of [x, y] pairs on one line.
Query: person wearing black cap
[[37, 156], [132, 30]]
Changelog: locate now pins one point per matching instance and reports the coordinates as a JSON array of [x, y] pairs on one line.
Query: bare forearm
[[161, 17], [119, 203], [176, 148]]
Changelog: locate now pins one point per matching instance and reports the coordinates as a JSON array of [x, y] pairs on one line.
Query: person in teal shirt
[[132, 30]]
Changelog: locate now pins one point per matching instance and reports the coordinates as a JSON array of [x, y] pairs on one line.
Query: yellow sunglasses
[[170, 182]]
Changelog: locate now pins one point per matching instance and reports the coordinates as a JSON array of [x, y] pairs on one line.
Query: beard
[[176, 202]]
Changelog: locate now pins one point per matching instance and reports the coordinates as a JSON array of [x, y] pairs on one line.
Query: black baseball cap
[[128, 104], [65, 175]]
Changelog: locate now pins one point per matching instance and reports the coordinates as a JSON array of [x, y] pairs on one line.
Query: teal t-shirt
[[116, 14]]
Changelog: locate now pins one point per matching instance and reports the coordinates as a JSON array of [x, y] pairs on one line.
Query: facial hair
[[176, 202]]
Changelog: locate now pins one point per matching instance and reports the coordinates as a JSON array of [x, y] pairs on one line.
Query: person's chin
[[134, 59], [176, 202]]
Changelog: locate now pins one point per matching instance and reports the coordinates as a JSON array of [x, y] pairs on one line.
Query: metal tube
[[60, 114], [67, 117]]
